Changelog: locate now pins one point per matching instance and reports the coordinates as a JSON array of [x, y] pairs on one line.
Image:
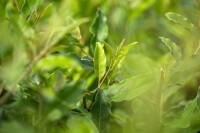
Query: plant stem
[[99, 85], [105, 76], [84, 102], [40, 103], [1, 88], [17, 5], [42, 13], [160, 96], [93, 100]]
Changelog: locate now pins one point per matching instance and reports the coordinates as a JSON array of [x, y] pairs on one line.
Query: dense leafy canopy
[[107, 66]]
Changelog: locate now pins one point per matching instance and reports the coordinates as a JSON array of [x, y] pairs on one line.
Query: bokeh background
[[26, 27]]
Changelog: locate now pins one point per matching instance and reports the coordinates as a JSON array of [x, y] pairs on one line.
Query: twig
[[42, 13], [84, 102], [40, 103], [99, 86], [93, 100], [1, 88], [104, 78], [17, 5], [23, 5], [106, 74]]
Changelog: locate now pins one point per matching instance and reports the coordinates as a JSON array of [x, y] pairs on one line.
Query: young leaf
[[108, 48], [177, 18], [76, 32], [174, 49], [99, 61], [122, 54], [99, 29], [101, 111]]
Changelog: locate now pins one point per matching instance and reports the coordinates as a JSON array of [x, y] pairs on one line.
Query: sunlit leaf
[[99, 61], [79, 124], [108, 48], [121, 55], [54, 61]]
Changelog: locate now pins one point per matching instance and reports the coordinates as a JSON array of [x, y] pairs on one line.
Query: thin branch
[[17, 5], [40, 103], [23, 5], [104, 78], [106, 74], [42, 13], [93, 100], [84, 102], [99, 85], [1, 88]]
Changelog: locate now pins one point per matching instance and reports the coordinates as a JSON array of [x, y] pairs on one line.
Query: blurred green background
[[32, 30]]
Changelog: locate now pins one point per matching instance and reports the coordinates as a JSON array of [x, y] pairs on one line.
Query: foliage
[[65, 66]]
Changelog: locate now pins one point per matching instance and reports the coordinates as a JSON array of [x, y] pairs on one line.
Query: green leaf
[[121, 55], [13, 126], [174, 49], [99, 29], [76, 32], [131, 88], [86, 62], [186, 117], [67, 98], [108, 48], [71, 93], [99, 61], [189, 108], [54, 61], [79, 124], [101, 111], [189, 67], [59, 33], [183, 21]]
